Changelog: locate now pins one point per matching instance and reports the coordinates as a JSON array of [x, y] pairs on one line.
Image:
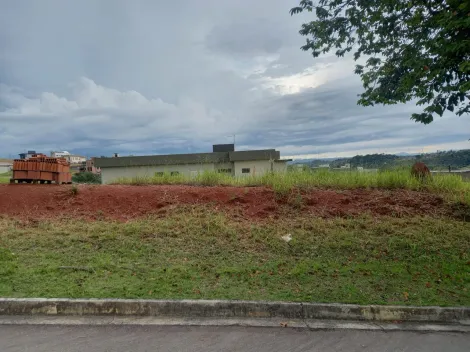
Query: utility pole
[[232, 135]]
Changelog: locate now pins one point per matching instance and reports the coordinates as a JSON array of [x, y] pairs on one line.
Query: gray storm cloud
[[149, 77]]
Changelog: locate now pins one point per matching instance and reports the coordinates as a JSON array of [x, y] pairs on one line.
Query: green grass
[[194, 252], [5, 177], [450, 185]]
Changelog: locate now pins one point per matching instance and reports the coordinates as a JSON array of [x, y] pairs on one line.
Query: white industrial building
[[224, 159], [60, 154]]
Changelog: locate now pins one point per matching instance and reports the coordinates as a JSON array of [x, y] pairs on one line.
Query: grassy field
[[5, 177], [452, 186], [195, 252]]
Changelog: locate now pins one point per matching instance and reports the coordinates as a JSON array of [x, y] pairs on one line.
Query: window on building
[[225, 171], [175, 173], [246, 170], [159, 174]]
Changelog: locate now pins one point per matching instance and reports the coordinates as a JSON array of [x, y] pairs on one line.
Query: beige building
[[71, 158], [75, 159], [223, 159]]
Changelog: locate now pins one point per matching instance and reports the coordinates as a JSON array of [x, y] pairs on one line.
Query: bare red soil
[[128, 202]]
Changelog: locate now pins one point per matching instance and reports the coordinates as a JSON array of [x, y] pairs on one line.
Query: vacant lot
[[354, 246], [121, 202]]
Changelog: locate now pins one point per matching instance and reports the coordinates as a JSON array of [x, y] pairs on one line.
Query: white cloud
[[311, 77], [98, 113]]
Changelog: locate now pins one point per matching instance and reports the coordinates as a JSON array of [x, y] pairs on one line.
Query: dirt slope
[[127, 202]]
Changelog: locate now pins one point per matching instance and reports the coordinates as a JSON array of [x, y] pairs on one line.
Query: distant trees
[[370, 161], [455, 159], [373, 161], [441, 160]]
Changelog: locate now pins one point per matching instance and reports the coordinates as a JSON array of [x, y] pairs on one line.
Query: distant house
[[27, 155], [59, 154], [223, 159], [75, 159], [71, 158], [89, 166]]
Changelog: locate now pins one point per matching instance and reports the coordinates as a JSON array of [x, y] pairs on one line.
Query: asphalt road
[[52, 338]]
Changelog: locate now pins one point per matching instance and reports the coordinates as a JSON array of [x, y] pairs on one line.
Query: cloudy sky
[[147, 77]]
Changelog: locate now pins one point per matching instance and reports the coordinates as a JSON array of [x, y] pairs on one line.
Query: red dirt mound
[[128, 202]]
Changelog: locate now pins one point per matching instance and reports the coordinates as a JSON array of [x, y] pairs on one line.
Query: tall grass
[[5, 177], [284, 182]]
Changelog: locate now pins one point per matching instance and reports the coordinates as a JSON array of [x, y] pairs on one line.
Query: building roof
[[250, 155], [179, 159]]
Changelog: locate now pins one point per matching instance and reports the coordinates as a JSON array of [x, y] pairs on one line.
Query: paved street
[[50, 338]]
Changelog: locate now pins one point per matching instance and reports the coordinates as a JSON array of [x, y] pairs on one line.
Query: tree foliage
[[86, 177], [412, 49]]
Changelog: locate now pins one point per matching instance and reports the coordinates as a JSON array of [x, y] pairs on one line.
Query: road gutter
[[229, 313]]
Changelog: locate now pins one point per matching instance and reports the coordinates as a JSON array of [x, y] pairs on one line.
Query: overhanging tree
[[415, 50]]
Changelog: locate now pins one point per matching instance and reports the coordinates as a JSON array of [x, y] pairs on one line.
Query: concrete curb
[[229, 322], [194, 309]]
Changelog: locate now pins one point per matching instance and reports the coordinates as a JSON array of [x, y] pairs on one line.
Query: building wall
[[257, 167], [280, 166], [109, 174], [226, 167], [75, 159], [464, 174], [90, 166]]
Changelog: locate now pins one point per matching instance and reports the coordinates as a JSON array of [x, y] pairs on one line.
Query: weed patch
[[451, 186]]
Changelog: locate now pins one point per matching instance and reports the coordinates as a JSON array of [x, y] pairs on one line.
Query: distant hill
[[313, 161], [405, 154], [372, 161], [458, 159], [435, 161], [6, 160]]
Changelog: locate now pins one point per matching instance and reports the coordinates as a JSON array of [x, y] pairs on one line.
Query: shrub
[[86, 177]]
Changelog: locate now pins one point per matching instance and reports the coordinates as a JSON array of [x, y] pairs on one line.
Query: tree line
[[435, 161]]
